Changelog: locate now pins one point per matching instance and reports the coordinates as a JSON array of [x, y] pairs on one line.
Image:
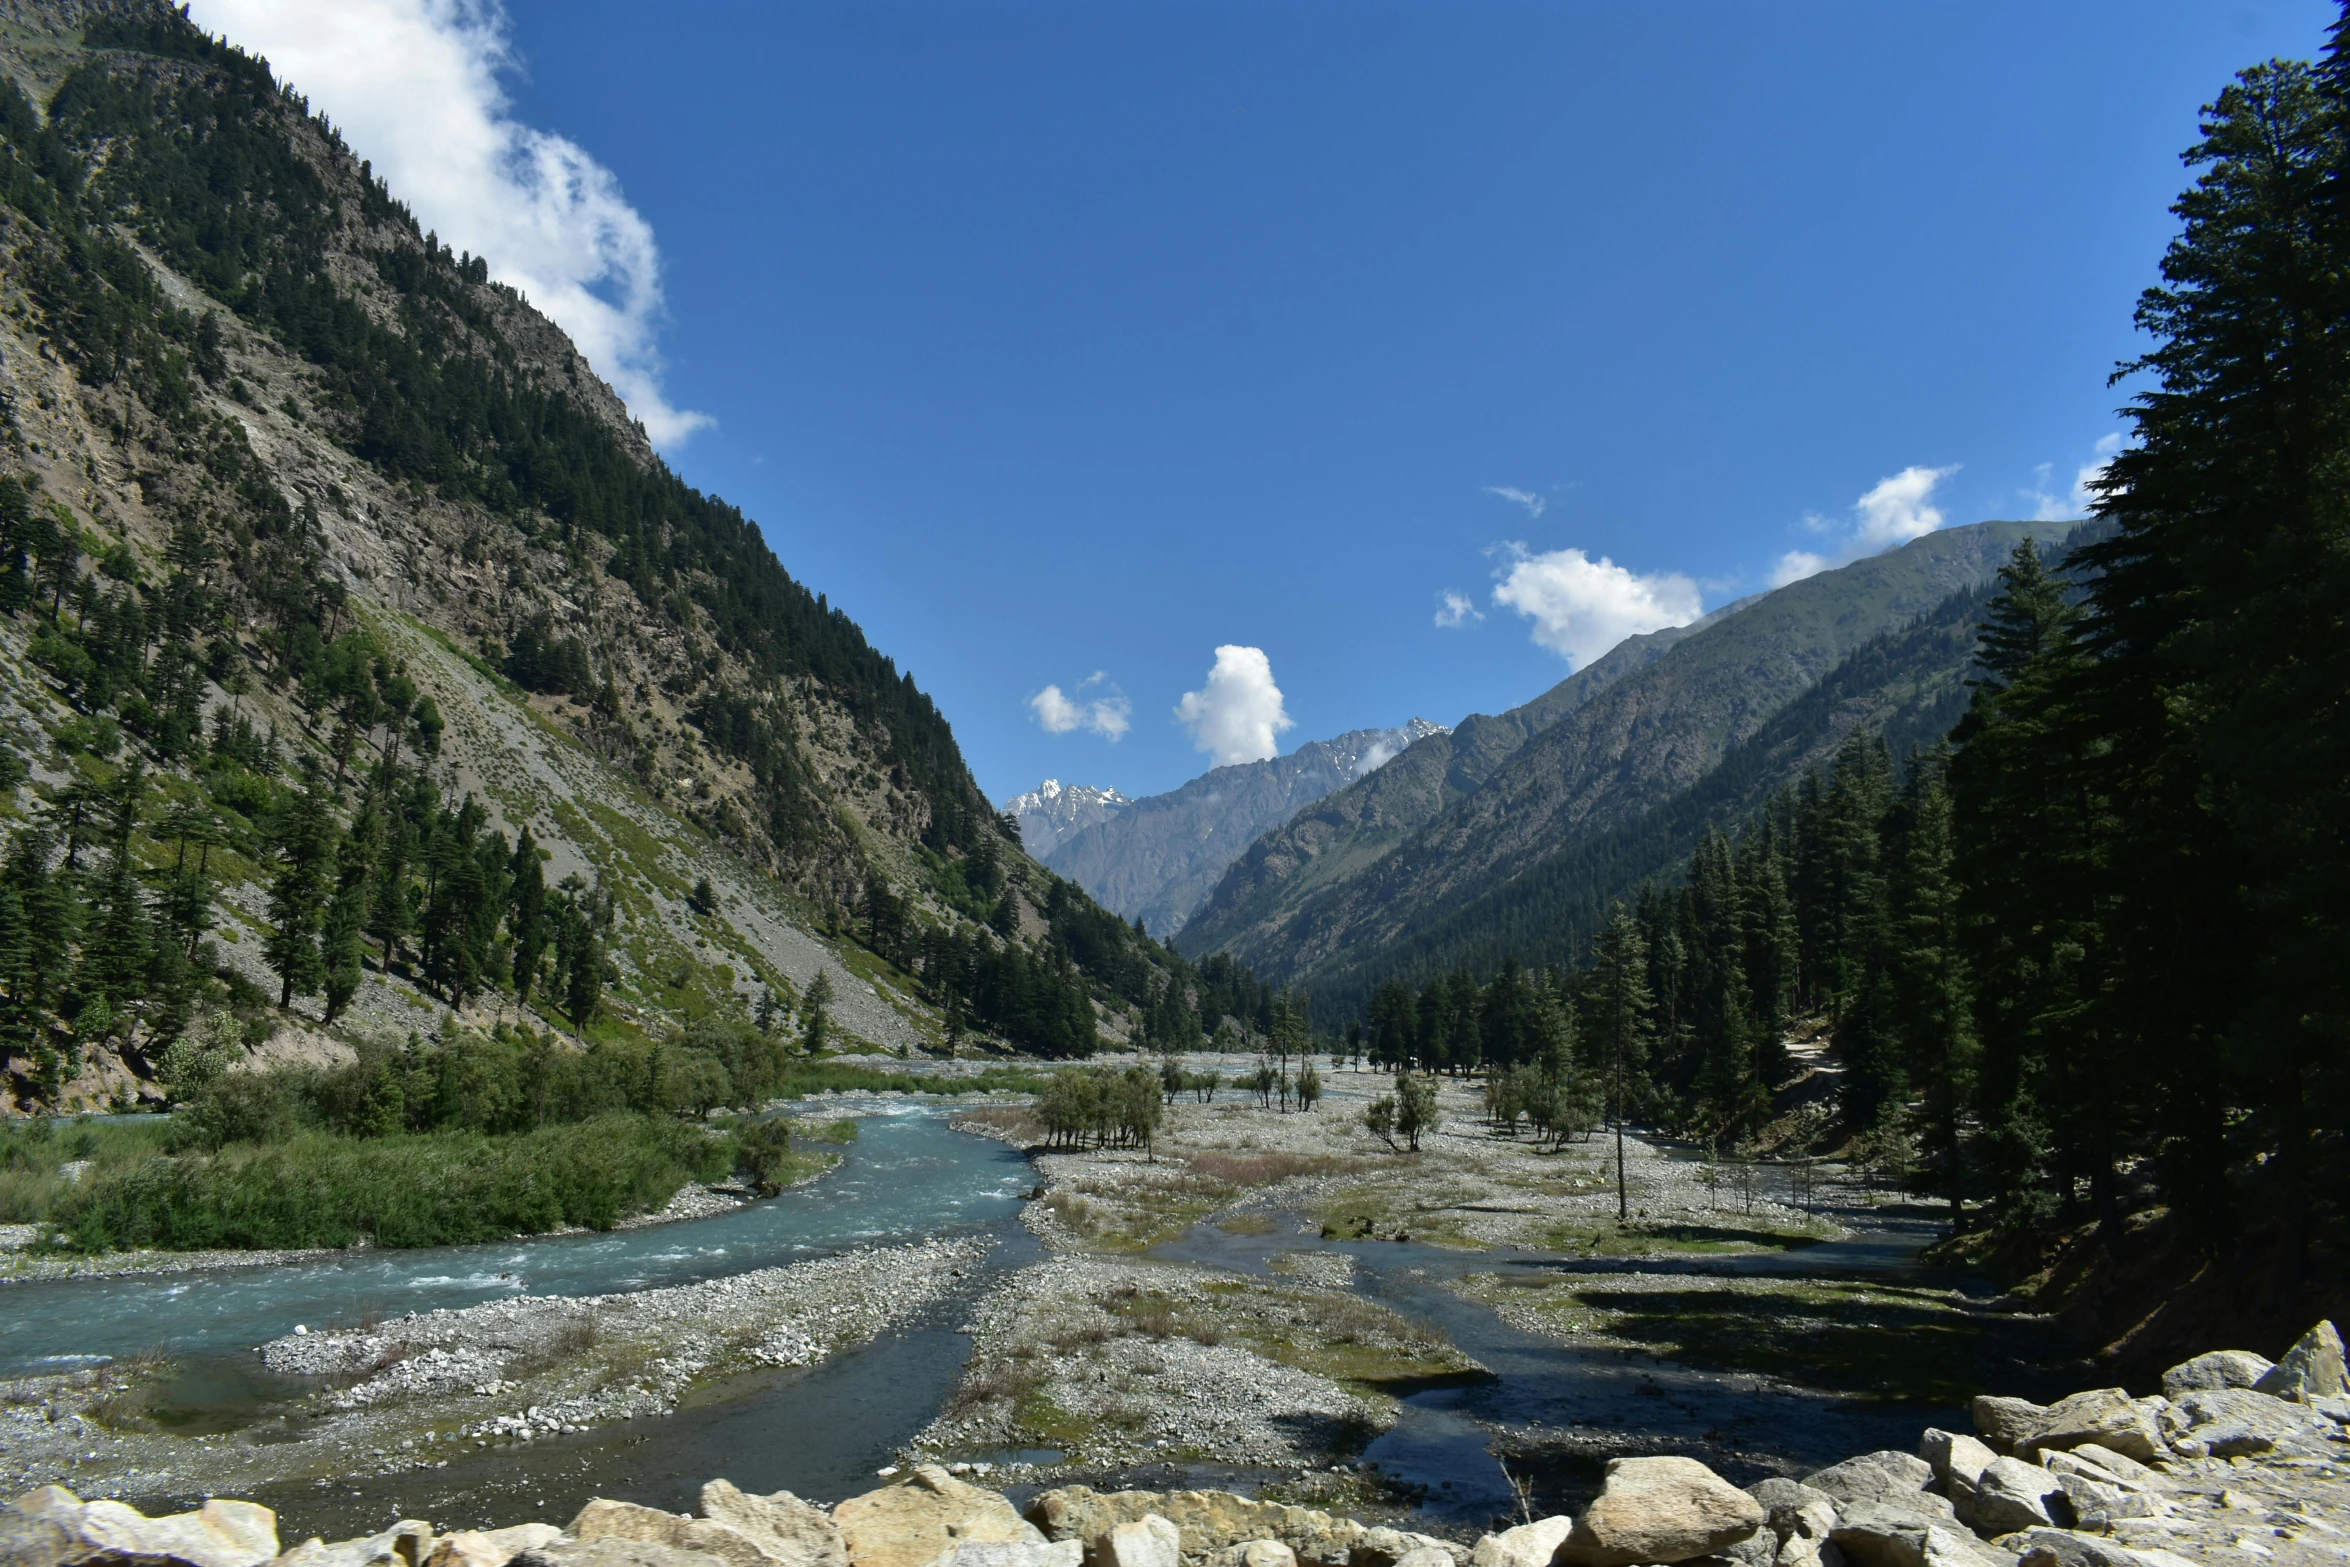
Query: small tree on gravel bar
[[1309, 1086], [1415, 1108]]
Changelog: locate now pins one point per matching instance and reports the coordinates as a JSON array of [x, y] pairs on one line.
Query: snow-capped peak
[[1053, 811]]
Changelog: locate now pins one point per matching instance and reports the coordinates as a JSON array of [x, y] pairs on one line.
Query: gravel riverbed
[[1218, 1237], [417, 1389]]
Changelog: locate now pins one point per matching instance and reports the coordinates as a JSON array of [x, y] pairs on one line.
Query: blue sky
[[1056, 339]]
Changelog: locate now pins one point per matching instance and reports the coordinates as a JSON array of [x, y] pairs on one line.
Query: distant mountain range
[[1158, 858], [1053, 812], [1508, 835]]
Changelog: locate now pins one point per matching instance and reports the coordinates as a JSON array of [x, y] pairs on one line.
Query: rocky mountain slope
[[1460, 819], [294, 492], [1156, 859]]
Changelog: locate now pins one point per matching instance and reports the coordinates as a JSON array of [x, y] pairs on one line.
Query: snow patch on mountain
[[1053, 812]]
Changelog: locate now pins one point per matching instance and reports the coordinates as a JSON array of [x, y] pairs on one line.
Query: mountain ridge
[[1355, 872], [1155, 858], [1053, 811]]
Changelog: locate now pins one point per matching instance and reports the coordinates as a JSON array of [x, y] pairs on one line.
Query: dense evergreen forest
[[2091, 955]]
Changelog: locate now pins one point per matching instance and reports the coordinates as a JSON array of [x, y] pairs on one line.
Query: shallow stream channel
[[1540, 1427]]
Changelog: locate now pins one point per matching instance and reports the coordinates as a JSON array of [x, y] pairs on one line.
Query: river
[[824, 1430], [821, 1431]]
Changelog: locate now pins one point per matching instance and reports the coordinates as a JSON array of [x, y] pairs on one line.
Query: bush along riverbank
[[465, 1137], [2236, 1460]]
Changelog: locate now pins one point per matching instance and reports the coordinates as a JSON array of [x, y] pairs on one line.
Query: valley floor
[[1285, 1297], [1280, 1301]]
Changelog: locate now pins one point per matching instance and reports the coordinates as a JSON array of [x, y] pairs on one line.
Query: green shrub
[[439, 1189], [33, 1152]]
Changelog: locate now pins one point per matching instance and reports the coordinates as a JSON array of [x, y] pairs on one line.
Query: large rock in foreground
[[1528, 1545], [1210, 1521], [1660, 1510], [1881, 1534], [2107, 1416], [52, 1526], [2312, 1369], [914, 1523], [1888, 1478], [2218, 1368], [2234, 1422], [737, 1528], [2005, 1422], [2011, 1495]]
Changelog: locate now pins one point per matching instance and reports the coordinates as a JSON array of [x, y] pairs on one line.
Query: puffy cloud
[[1894, 511], [413, 86], [1237, 715], [2084, 493], [1457, 610], [1108, 714], [1535, 505], [2080, 499], [1796, 565], [1582, 607], [2047, 507]]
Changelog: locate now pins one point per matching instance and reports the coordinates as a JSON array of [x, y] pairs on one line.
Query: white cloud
[[2049, 507], [1458, 610], [1535, 505], [1582, 607], [1894, 511], [2084, 497], [413, 86], [1237, 715], [1796, 565], [1381, 753], [1108, 715]]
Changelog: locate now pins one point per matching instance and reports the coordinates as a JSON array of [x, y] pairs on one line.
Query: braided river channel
[[825, 1430]]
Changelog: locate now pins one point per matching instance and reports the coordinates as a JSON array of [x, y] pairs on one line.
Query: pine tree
[[1619, 1026], [186, 905], [815, 1018], [305, 839], [1930, 980], [2214, 693], [2026, 834], [116, 942], [526, 918], [1729, 1085], [342, 938], [391, 902]]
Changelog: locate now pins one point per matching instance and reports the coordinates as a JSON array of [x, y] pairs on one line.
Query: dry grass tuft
[[1263, 1169], [1014, 1121]]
